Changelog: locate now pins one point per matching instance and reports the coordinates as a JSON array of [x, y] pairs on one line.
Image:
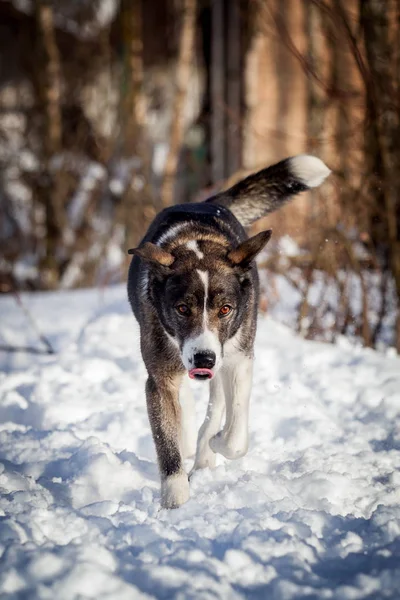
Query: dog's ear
[[248, 250], [152, 253]]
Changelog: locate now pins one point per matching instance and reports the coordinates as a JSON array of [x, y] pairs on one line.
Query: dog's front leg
[[164, 411], [205, 457], [188, 420], [232, 441]]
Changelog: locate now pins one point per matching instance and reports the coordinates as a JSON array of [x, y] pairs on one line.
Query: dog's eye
[[224, 310], [183, 309]]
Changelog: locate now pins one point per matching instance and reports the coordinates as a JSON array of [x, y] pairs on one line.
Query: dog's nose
[[204, 360]]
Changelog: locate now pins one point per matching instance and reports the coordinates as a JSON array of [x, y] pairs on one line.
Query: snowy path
[[313, 511]]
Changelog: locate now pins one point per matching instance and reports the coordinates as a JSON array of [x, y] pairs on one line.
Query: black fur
[[261, 193]]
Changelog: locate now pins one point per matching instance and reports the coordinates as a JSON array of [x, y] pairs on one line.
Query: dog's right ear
[[152, 253], [248, 250]]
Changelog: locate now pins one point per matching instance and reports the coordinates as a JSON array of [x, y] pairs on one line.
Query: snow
[[312, 511], [83, 18]]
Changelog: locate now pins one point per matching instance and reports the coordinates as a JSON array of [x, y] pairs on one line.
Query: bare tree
[[367, 235], [49, 91], [233, 85], [217, 80], [383, 148], [132, 31], [131, 212], [184, 64]]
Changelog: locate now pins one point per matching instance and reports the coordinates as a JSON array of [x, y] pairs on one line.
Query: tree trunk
[[233, 87], [283, 77], [131, 16], [316, 96], [217, 84], [382, 134], [185, 60], [132, 211], [315, 58], [48, 86]]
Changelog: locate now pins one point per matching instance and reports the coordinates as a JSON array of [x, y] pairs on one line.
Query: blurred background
[[111, 110]]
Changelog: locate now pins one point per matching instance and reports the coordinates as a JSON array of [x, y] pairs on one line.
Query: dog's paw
[[204, 461], [175, 490], [231, 447]]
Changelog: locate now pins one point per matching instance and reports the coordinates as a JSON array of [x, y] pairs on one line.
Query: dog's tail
[[267, 190]]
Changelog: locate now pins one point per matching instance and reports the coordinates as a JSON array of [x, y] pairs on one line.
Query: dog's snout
[[204, 360]]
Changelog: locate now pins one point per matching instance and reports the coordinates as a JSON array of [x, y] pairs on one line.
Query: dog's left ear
[[248, 250], [152, 253]]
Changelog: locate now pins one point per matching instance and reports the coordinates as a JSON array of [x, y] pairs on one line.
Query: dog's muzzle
[[203, 365]]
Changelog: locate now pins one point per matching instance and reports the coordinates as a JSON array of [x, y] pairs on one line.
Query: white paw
[[204, 460], [175, 490], [229, 446]]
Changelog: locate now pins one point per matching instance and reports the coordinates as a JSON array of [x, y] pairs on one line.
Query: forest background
[[111, 110]]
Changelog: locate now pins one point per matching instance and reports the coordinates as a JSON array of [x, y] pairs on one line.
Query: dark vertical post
[[217, 91], [233, 130], [183, 68], [49, 96]]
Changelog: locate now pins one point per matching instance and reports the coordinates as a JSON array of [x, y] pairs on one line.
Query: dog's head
[[202, 293]]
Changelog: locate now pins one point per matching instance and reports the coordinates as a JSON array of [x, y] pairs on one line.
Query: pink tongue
[[194, 372]]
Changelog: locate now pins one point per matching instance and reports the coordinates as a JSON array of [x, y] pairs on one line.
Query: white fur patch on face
[[192, 245], [204, 278], [206, 340], [310, 170]]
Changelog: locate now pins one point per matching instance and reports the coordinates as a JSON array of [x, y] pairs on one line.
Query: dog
[[194, 290]]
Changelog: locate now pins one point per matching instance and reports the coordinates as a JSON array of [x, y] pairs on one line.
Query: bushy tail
[[267, 190]]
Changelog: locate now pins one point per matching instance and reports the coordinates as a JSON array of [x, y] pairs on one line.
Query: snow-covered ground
[[313, 510]]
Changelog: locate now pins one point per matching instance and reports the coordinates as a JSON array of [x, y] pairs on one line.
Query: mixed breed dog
[[193, 287]]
